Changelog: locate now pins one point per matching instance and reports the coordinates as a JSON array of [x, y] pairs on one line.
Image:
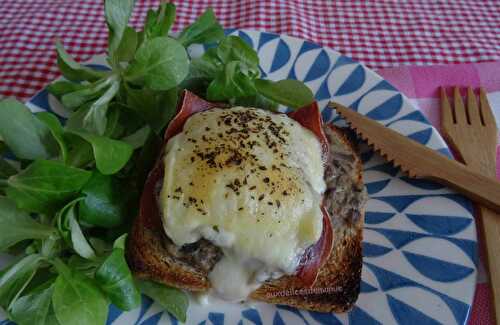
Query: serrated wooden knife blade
[[419, 161]]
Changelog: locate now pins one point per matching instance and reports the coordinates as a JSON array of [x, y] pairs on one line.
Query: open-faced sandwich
[[245, 203]]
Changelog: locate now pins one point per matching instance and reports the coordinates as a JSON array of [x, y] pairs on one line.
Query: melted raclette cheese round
[[248, 180]]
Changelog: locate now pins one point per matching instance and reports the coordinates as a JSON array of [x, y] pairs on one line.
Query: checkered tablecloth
[[378, 33], [381, 34]]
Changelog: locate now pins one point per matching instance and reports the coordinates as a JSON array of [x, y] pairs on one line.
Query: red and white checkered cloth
[[380, 34]]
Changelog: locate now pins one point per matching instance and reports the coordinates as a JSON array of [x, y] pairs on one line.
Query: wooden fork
[[471, 131]]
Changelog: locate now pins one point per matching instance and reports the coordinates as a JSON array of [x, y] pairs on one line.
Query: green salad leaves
[[17, 225], [25, 135], [159, 64], [69, 190], [45, 185], [77, 299]]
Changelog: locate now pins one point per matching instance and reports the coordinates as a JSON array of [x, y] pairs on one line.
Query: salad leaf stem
[[73, 70], [16, 277], [71, 231], [95, 120]]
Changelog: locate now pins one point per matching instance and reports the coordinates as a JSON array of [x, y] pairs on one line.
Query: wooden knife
[[419, 161]]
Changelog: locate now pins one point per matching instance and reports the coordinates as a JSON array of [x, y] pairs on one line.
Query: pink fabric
[[377, 33], [481, 311], [421, 85], [427, 85]]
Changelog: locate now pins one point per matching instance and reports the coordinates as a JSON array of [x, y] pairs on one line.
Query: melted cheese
[[251, 182], [233, 278]]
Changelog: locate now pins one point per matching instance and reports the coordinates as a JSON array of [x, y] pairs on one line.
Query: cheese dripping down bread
[[249, 181]]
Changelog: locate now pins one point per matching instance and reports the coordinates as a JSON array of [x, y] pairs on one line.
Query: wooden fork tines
[[471, 131]]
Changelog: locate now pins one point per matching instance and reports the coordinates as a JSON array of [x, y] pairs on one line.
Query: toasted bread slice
[[338, 283]]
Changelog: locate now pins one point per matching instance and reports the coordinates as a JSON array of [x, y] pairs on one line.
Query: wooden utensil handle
[[479, 188], [491, 230]]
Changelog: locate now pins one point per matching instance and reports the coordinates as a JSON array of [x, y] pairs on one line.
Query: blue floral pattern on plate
[[420, 250]]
